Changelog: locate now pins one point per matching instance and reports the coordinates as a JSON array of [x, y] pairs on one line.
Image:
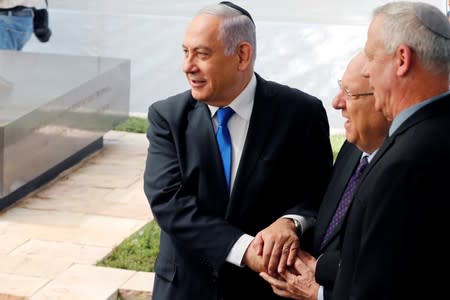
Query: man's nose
[[339, 100], [189, 65]]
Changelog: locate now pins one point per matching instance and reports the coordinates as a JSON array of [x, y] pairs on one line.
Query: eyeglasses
[[351, 95]]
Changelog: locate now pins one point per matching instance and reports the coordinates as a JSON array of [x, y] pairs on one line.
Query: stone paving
[[51, 239]]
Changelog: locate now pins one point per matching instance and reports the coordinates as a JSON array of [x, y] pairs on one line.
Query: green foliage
[[133, 124], [140, 125], [138, 252], [336, 142]]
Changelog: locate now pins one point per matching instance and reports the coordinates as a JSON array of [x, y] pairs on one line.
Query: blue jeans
[[15, 31]]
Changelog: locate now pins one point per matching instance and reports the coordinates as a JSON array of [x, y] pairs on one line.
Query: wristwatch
[[298, 227]]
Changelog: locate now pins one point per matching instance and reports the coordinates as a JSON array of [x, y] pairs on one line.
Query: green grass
[[139, 251], [133, 124], [140, 125], [336, 142]]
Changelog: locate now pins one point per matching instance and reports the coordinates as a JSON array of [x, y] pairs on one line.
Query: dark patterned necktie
[[224, 141], [346, 199]]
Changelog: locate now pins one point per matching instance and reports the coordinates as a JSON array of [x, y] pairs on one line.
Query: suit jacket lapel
[[258, 134], [201, 140]]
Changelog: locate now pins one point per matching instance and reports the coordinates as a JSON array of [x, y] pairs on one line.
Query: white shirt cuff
[[237, 252], [320, 293]]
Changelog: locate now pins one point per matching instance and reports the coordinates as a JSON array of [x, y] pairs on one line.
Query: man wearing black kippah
[[236, 167]]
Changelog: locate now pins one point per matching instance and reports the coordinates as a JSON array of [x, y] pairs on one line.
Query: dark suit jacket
[[284, 168], [399, 215], [329, 255]]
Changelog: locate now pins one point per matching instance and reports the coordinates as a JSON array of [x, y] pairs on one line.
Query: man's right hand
[[297, 282]]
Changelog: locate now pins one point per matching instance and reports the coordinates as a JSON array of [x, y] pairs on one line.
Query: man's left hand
[[278, 245]]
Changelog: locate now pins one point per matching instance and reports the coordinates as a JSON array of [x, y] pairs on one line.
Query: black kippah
[[238, 8], [435, 21]]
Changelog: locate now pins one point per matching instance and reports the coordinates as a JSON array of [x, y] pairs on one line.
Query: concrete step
[[51, 240]]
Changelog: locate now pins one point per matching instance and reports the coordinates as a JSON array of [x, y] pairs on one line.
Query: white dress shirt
[[238, 127]]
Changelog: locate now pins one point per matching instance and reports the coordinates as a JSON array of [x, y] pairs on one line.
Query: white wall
[[305, 44]]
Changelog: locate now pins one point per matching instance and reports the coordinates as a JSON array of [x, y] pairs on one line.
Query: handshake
[[276, 255]]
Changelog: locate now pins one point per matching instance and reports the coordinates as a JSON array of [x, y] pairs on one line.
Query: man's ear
[[245, 54], [403, 59]]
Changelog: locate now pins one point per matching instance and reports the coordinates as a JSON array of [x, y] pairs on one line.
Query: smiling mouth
[[197, 83]]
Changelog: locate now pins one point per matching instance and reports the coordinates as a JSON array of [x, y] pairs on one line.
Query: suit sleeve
[[394, 240], [315, 166], [326, 270], [174, 206]]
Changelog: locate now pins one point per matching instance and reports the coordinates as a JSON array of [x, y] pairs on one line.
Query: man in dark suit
[[280, 165], [365, 130], [399, 215]]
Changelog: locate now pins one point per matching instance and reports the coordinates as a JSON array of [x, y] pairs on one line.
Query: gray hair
[[234, 29], [402, 25]]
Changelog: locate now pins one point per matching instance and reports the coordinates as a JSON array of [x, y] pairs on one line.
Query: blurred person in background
[[16, 22]]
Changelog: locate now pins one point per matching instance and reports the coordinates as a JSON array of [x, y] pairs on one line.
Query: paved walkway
[[51, 239]]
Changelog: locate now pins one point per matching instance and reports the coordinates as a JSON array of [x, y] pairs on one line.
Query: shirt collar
[[243, 103], [405, 114], [369, 155]]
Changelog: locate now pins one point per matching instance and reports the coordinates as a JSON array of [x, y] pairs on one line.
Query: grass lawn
[[138, 252]]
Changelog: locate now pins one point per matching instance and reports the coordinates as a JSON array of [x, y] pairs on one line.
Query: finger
[[258, 244], [289, 277], [280, 284], [275, 258], [267, 252], [283, 275], [300, 266], [285, 253], [295, 246], [305, 256], [283, 288], [310, 261], [279, 287], [282, 293]]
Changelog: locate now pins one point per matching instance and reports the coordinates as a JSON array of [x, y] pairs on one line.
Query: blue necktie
[[224, 141]]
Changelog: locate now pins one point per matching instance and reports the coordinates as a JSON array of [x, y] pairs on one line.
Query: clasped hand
[[275, 254], [296, 282], [274, 248]]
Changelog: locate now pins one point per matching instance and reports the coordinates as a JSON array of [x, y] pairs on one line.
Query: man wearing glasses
[[365, 131]]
